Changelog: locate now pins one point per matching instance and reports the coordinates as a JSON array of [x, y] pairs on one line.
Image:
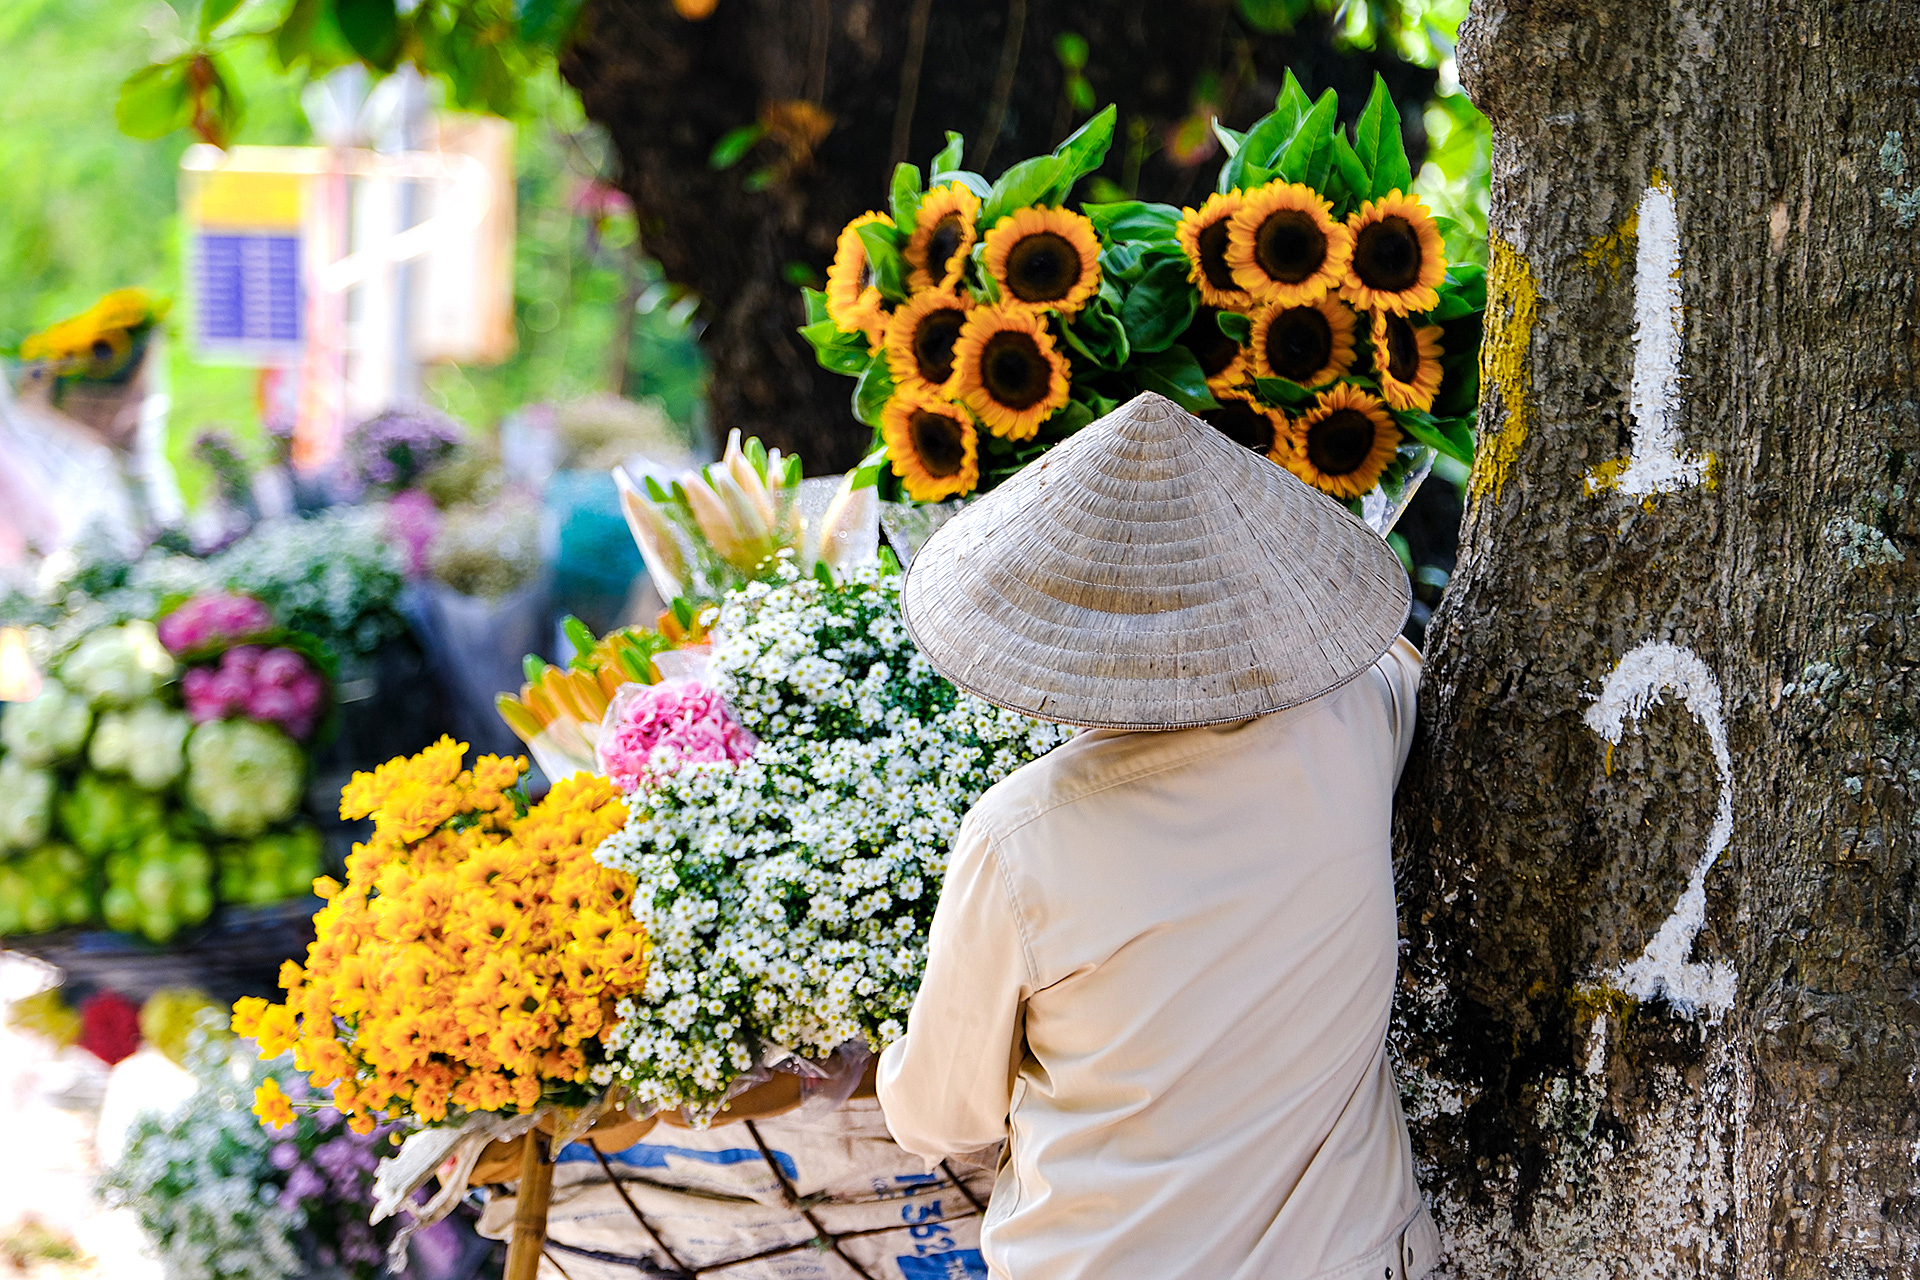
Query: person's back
[[1246, 1097]]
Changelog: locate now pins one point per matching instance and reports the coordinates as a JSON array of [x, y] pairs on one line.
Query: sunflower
[[1242, 421], [1342, 444], [1222, 360], [1398, 256], [942, 236], [932, 445], [919, 340], [1045, 258], [1203, 234], [1005, 369], [1309, 344], [1406, 358], [1284, 246], [853, 300]]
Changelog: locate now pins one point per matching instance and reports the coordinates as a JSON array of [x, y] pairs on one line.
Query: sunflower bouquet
[[473, 959], [1307, 309]]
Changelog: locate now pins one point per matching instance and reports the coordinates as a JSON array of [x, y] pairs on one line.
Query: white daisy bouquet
[[788, 894]]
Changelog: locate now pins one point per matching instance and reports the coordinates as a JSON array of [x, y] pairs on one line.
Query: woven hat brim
[[1150, 574]]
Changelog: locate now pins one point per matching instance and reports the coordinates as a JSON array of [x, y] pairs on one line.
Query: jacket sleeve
[[1401, 666], [946, 1085]]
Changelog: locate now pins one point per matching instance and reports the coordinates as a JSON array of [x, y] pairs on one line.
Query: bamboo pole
[[530, 1209]]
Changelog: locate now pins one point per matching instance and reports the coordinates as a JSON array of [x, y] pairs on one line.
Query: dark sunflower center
[[933, 343], [1012, 369], [1403, 349], [1290, 246], [942, 245], [1340, 442], [1213, 256], [1299, 343], [1043, 267], [940, 442], [1386, 255], [1241, 423], [866, 273], [1212, 348]]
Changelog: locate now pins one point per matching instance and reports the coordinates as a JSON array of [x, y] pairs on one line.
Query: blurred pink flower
[[682, 719], [275, 685], [414, 521], [213, 618]]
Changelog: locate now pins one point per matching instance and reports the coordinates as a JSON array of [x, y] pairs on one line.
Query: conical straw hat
[[1149, 573]]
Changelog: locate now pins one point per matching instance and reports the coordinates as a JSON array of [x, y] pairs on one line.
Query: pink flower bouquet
[[275, 685], [213, 618], [654, 727]]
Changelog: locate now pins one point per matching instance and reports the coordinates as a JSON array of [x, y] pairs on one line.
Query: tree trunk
[[890, 80], [1658, 843]]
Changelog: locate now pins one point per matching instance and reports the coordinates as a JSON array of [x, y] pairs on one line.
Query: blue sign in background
[[248, 290]]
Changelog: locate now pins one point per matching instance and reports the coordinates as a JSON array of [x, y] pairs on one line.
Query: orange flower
[[1284, 246], [271, 1104], [1399, 257]]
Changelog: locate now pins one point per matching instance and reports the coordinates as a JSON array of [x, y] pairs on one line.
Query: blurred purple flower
[[391, 450], [284, 1156], [413, 521], [302, 1184]]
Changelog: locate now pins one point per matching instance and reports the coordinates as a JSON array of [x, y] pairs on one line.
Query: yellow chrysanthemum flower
[[1007, 370], [1406, 360], [1342, 444], [1399, 257], [942, 236], [919, 341], [932, 446], [853, 300], [1203, 233], [1044, 258], [272, 1105], [1284, 246], [1309, 344]]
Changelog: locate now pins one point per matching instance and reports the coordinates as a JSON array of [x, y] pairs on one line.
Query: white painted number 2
[[1663, 970]]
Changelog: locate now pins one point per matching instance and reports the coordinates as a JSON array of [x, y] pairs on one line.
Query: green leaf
[[816, 305], [1463, 293], [882, 244], [1072, 416], [1235, 326], [1283, 393], [1309, 153], [871, 393], [372, 28], [837, 351], [1098, 334], [734, 144], [1070, 47], [1230, 139], [1080, 93], [867, 474], [1273, 17], [947, 161], [213, 13], [1131, 220], [1021, 185], [965, 178], [154, 100], [1262, 143], [1175, 374], [1352, 174], [1084, 150], [903, 197], [1450, 436], [1160, 307], [293, 39], [1379, 145], [546, 23]]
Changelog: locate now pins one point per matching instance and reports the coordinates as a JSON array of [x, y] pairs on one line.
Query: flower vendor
[[1164, 953]]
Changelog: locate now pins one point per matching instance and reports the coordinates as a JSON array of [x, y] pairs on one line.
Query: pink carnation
[[274, 685], [213, 618], [414, 521], [685, 718]]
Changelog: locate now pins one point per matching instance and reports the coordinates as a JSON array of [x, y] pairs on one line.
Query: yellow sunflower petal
[[1284, 247], [1046, 258], [1007, 370], [1203, 234], [1406, 361], [1399, 257], [932, 446], [919, 340], [853, 300], [942, 237], [1342, 444], [1310, 344]]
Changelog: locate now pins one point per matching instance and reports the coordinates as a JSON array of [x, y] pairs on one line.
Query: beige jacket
[[1161, 968]]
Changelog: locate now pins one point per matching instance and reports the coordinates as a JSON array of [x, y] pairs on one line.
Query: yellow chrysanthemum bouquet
[[1306, 310], [472, 961], [101, 342]]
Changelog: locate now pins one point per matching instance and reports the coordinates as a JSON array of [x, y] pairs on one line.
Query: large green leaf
[[1451, 436], [545, 23], [1283, 393], [1230, 139], [871, 393], [882, 244], [293, 38], [903, 197], [1084, 150], [1099, 335], [1262, 144], [1463, 293], [1160, 307], [1130, 220], [1355, 186], [1309, 153], [837, 351], [946, 161], [1234, 325], [1175, 374], [372, 27], [816, 301], [154, 100], [1021, 185], [1379, 145]]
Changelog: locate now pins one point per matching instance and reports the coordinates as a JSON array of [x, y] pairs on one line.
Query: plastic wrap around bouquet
[[1306, 310]]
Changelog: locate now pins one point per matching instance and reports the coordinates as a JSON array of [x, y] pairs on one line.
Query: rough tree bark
[[891, 78], [1596, 1089]]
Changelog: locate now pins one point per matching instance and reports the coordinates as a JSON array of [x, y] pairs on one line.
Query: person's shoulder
[[1080, 769]]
